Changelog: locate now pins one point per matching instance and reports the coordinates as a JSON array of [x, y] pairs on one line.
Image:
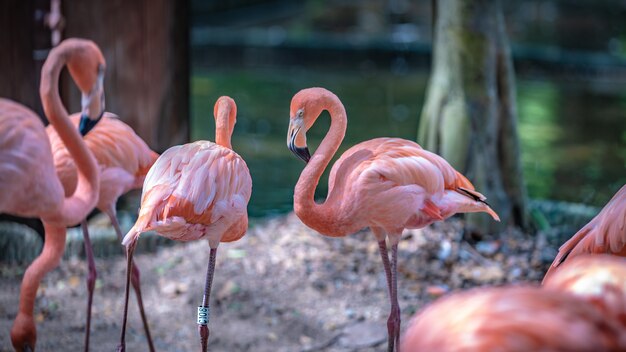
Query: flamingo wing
[[25, 163], [384, 171], [402, 161], [605, 233], [194, 190]]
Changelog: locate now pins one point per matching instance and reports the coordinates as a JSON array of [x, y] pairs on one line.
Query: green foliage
[[378, 104], [538, 110]]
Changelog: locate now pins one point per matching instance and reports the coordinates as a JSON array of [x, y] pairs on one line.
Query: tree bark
[[470, 115]]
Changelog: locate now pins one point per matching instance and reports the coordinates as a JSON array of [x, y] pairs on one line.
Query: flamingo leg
[[134, 279], [203, 321], [91, 279], [129, 260], [390, 269], [394, 316]]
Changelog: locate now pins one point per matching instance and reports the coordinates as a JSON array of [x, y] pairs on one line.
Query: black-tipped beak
[[302, 153], [87, 124]]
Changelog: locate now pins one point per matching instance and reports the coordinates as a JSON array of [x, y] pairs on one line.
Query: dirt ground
[[283, 287]]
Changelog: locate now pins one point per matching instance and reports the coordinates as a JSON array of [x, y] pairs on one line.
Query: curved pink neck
[[76, 207], [321, 216], [223, 131]]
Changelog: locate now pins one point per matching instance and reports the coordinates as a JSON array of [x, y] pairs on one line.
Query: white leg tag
[[203, 315]]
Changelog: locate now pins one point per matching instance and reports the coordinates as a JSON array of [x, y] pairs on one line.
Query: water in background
[[573, 135]]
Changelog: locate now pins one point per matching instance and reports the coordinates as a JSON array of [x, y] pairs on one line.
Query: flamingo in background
[[599, 279], [605, 233], [124, 160], [512, 319], [194, 191], [387, 184], [31, 187]]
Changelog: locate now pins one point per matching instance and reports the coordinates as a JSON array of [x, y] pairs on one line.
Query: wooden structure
[[145, 44]]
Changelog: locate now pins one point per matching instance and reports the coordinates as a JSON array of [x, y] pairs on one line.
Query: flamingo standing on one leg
[[31, 187], [605, 233], [599, 279], [512, 319], [387, 184], [124, 160], [194, 191]]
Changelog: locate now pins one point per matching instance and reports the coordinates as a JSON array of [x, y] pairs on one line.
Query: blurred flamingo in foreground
[[598, 279], [124, 160], [387, 184], [31, 187], [605, 233], [194, 191], [513, 319]]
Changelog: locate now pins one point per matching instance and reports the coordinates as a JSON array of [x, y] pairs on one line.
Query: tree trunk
[[469, 116]]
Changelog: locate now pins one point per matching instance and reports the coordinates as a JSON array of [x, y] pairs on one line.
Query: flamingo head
[[463, 200], [24, 333], [92, 104], [226, 105], [296, 136], [306, 107], [87, 66]]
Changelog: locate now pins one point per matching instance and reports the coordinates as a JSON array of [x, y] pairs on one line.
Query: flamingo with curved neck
[[387, 184], [27, 169], [123, 160]]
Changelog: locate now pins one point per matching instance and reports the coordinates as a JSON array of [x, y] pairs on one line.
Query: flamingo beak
[[300, 152], [493, 214], [86, 124], [92, 105]]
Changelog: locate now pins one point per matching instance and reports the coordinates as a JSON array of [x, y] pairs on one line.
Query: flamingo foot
[[24, 333]]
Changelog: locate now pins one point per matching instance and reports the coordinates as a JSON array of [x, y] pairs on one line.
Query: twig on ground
[[476, 255], [324, 344]]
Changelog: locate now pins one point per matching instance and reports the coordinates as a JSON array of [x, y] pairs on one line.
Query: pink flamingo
[[194, 191], [512, 319], [124, 160], [32, 188], [387, 184], [605, 233], [599, 279]]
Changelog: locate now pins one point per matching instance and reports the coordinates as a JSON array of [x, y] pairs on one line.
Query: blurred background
[[569, 56], [170, 60]]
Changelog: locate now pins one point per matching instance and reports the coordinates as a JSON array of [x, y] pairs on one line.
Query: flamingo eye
[[300, 113]]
